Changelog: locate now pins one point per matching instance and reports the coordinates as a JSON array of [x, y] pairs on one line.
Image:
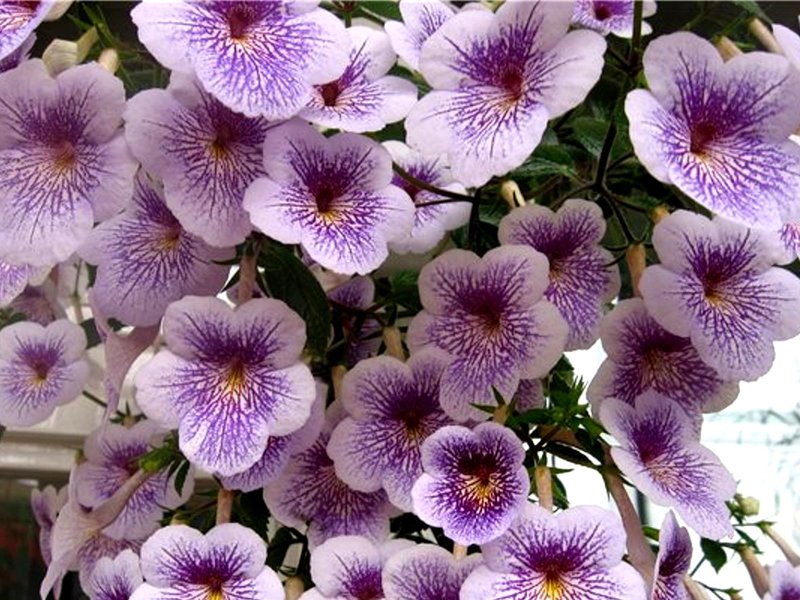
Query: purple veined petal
[[421, 19], [611, 16], [784, 582], [14, 279], [96, 549], [115, 579], [146, 260], [19, 55], [39, 304], [426, 572], [17, 22], [789, 235], [260, 59], [673, 561]]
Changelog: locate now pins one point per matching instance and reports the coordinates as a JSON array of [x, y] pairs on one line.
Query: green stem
[[636, 39], [424, 185], [94, 399]]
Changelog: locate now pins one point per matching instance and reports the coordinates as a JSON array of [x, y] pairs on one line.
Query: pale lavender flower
[[65, 162], [349, 568], [101, 547], [229, 379], [575, 554], [45, 505], [364, 98], [17, 21], [784, 582], [426, 572], [112, 454], [658, 450], [474, 483], [40, 368], [582, 275], [331, 195], [611, 16], [393, 408], [227, 563], [362, 334], [497, 79], [673, 561], [433, 221], [490, 316], [115, 578], [309, 491], [205, 153], [789, 42], [15, 58], [259, 58], [421, 19], [716, 284], [14, 279], [718, 130]]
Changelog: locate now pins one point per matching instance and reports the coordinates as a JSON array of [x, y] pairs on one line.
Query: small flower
[[718, 130], [45, 505], [229, 379], [426, 572], [115, 579], [205, 153], [364, 98], [611, 16], [40, 368], [673, 561], [393, 408], [14, 279], [258, 58], [65, 162], [582, 274], [474, 482], [658, 450], [17, 22], [112, 454], [349, 568], [15, 58], [227, 563], [431, 222], [146, 260], [421, 19], [575, 554], [643, 356], [331, 195], [784, 582], [490, 316], [716, 285], [497, 79]]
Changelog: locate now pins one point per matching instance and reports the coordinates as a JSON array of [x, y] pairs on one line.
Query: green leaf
[[157, 459], [384, 8], [548, 159], [590, 133], [714, 553], [286, 278], [404, 289], [180, 478]]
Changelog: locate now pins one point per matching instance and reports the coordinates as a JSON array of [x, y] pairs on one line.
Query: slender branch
[[636, 38], [640, 552], [224, 506], [424, 185], [94, 399], [758, 574], [394, 343], [605, 155]]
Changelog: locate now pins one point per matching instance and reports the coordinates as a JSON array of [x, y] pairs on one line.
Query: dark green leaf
[[547, 160], [714, 553], [590, 133], [180, 478], [404, 289]]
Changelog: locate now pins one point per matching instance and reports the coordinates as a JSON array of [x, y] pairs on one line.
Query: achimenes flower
[[393, 407], [229, 379], [720, 131], [784, 582], [258, 58], [309, 490], [433, 221], [205, 154], [644, 356], [582, 275], [39, 304], [115, 579], [40, 368], [349, 568], [716, 284], [575, 554], [673, 561], [45, 505], [426, 572], [14, 279], [364, 97], [65, 162], [421, 19], [490, 316], [15, 58], [145, 260], [362, 337], [497, 79], [331, 195], [474, 483], [227, 563], [658, 450], [112, 454], [17, 22], [611, 16]]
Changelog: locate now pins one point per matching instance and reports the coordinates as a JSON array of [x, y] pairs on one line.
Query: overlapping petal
[[673, 561], [426, 572], [17, 22], [784, 582], [421, 19], [611, 16], [115, 579]]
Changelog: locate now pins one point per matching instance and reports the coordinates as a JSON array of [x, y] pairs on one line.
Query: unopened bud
[[57, 10], [394, 343], [659, 213], [510, 192], [109, 60], [749, 505], [636, 258], [764, 35], [60, 55], [727, 49], [293, 588]]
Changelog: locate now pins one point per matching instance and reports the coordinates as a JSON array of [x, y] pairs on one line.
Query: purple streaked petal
[[17, 22], [115, 579], [673, 561], [14, 279], [421, 19], [426, 572], [784, 582], [611, 16], [17, 56]]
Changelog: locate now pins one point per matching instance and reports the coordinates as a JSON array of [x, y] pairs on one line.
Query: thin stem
[[394, 343], [641, 555], [435, 202], [783, 545], [544, 486], [459, 551], [636, 39], [293, 588], [424, 185], [605, 155], [474, 223], [95, 399], [758, 574], [224, 506]]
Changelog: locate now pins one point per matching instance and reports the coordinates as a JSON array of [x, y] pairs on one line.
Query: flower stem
[[293, 588], [247, 275], [636, 38], [636, 259], [224, 506], [394, 343], [641, 555], [424, 185], [544, 486], [764, 35], [459, 551], [758, 574], [782, 544]]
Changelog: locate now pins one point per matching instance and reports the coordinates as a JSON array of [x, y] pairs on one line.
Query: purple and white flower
[[789, 235], [426, 572], [205, 153], [718, 130], [258, 58], [421, 19], [489, 314], [364, 98], [575, 554], [115, 579], [474, 483], [611, 16], [331, 195], [582, 275], [229, 379], [431, 221], [145, 260], [784, 582], [393, 408], [497, 79], [673, 561], [362, 338], [40, 368], [227, 563], [65, 162], [17, 22], [716, 284], [39, 304], [15, 58], [15, 278], [658, 450]]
